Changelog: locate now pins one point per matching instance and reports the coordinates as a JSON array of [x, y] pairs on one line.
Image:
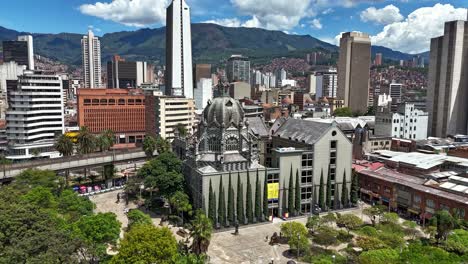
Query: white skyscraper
[[203, 93], [29, 40], [91, 49], [179, 80]]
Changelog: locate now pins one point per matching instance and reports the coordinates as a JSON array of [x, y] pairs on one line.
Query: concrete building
[[280, 76], [395, 91], [238, 69], [127, 74], [354, 70], [8, 71], [315, 84], [20, 51], [119, 110], [240, 90], [203, 93], [91, 52], [447, 95], [179, 75], [165, 113], [202, 71], [35, 116], [407, 122]]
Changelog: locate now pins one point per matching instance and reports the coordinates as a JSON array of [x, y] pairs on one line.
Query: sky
[[404, 25]]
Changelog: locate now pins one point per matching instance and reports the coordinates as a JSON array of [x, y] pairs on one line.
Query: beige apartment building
[[165, 113], [354, 70]]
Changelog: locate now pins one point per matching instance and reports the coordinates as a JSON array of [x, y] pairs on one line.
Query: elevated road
[[115, 157]]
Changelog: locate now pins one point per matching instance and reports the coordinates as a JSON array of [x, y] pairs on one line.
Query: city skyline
[[385, 21]]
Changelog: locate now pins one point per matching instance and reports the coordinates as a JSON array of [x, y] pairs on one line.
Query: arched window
[[111, 101], [95, 101], [214, 144], [232, 144], [103, 102], [121, 101]]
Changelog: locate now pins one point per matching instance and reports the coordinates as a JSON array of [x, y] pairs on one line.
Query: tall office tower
[[20, 51], [330, 83], [447, 97], [395, 91], [35, 116], [378, 59], [202, 71], [354, 70], [256, 77], [8, 71], [281, 75], [126, 74], [91, 51], [179, 75], [238, 69]]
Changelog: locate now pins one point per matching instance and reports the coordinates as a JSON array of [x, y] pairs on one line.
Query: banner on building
[[273, 191]]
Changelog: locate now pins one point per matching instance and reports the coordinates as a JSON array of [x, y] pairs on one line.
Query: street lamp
[[333, 257]]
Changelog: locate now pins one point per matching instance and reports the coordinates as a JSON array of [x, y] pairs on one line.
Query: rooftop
[[301, 130], [420, 160]]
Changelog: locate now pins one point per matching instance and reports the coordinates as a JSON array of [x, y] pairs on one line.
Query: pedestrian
[[118, 197], [266, 238]]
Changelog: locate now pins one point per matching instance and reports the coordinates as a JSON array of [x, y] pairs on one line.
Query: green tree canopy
[[297, 235], [444, 222], [147, 244], [202, 228], [137, 217], [457, 242], [343, 111], [149, 146], [313, 222], [349, 221], [86, 141], [379, 256], [64, 145]]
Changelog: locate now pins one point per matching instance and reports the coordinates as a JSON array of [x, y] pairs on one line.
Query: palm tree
[[64, 146], [149, 146], [162, 145], [105, 140], [86, 141], [201, 233]]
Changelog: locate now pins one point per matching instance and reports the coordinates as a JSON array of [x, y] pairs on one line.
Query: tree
[[248, 206], [137, 217], [373, 212], [182, 130], [298, 194], [258, 200], [265, 197], [444, 222], [284, 199], [240, 201], [149, 146], [328, 200], [181, 203], [328, 219], [391, 218], [202, 228], [326, 236], [296, 233], [424, 254], [162, 145], [410, 228], [313, 222], [147, 244], [97, 231], [105, 140], [211, 205], [354, 188], [231, 214], [64, 145], [379, 256], [343, 111], [291, 194], [73, 206], [349, 221], [370, 111], [457, 242], [86, 141], [32, 178], [344, 192], [221, 204], [369, 243], [336, 198], [321, 192], [41, 197]]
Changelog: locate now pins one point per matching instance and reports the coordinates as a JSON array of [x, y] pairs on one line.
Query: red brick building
[[411, 195], [120, 110]]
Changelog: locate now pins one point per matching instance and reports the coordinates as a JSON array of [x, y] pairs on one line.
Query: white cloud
[[387, 15], [273, 14], [315, 23], [93, 28], [327, 11], [137, 13], [413, 34], [227, 22]]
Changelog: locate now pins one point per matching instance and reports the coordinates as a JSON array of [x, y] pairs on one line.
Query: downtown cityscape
[[192, 131]]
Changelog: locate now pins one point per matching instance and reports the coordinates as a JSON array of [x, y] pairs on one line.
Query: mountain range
[[211, 43]]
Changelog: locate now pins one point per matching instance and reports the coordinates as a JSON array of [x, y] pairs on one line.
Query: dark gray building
[[238, 69]]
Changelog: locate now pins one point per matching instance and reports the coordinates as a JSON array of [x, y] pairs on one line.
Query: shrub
[[379, 256], [368, 231], [370, 243], [344, 237]]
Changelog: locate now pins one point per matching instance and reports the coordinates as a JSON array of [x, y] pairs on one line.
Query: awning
[[385, 199], [371, 193], [413, 211]]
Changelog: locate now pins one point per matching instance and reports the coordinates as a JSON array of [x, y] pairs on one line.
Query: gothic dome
[[223, 111]]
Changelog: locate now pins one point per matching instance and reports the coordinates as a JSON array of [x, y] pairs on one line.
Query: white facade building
[[91, 51], [203, 93], [408, 122], [8, 71], [179, 71], [35, 116], [330, 83], [29, 40], [289, 82]]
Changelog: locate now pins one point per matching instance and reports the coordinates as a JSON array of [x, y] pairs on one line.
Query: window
[[444, 207], [416, 199], [430, 203], [387, 190], [232, 144], [121, 101], [333, 144]]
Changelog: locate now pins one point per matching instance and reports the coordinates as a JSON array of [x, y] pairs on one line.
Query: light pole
[[333, 257]]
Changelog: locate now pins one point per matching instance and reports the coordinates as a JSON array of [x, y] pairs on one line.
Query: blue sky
[[405, 25]]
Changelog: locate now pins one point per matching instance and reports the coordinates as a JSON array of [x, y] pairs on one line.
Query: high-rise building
[[35, 116], [20, 51], [165, 113], [354, 70], [330, 83], [407, 122], [119, 110], [203, 92], [202, 71], [238, 69], [179, 75], [126, 74], [447, 97], [8, 71], [91, 51], [378, 59], [395, 91]]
